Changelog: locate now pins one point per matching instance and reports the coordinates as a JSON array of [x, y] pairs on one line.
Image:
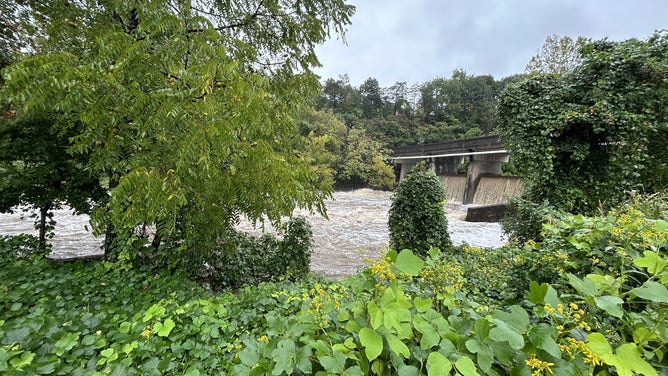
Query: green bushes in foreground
[[403, 315]]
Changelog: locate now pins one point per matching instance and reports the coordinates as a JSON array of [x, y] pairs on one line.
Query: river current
[[356, 229]]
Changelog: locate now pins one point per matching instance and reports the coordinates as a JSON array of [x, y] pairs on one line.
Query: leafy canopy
[[187, 106]]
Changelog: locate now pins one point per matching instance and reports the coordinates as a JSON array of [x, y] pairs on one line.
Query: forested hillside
[[370, 120]]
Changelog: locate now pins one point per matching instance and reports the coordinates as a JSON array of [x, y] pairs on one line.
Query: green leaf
[[422, 305], [283, 355], [375, 315], [597, 343], [653, 291], [537, 292], [629, 352], [610, 304], [66, 343], [510, 326], [397, 346], [438, 365], [167, 327], [333, 364], [585, 286], [653, 262], [541, 337], [303, 359], [466, 367], [372, 343], [408, 263]]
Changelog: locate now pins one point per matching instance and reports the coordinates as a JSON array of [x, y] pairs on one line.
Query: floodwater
[[356, 229]]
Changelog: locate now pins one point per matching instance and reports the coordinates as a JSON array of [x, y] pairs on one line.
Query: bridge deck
[[454, 148]]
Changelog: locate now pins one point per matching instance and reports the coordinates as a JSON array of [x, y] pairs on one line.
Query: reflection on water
[[357, 228]]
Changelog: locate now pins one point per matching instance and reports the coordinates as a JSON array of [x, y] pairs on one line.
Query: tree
[[187, 108], [364, 162], [36, 172], [372, 98], [557, 55], [587, 137], [417, 216]]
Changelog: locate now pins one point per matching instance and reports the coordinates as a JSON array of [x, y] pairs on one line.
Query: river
[[356, 229]]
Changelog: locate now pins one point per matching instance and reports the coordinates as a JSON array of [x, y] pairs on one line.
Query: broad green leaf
[[585, 286], [652, 262], [438, 365], [249, 356], [333, 364], [502, 332], [541, 336], [537, 292], [375, 315], [422, 305], [303, 359], [466, 367], [510, 326], [408, 263], [629, 352], [610, 304], [397, 346], [283, 355], [484, 356], [408, 371], [598, 344], [372, 343], [66, 343], [653, 291], [167, 327]]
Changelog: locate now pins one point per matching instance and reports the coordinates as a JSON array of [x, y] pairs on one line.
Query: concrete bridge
[[482, 184]]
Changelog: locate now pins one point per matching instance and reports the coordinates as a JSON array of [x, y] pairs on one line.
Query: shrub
[[248, 260], [524, 219], [417, 216]]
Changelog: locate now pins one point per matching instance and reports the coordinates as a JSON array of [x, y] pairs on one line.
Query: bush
[[248, 260], [524, 219], [417, 216], [23, 246]]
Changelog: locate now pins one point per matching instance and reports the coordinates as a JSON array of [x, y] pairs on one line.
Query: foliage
[[36, 172], [417, 215], [524, 219], [247, 260], [364, 162], [187, 108], [18, 247], [587, 137], [404, 315], [558, 55]]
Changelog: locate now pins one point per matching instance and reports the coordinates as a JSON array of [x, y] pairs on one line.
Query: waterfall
[[496, 189], [455, 185]]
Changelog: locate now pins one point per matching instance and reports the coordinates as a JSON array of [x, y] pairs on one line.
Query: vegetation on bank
[[590, 298]]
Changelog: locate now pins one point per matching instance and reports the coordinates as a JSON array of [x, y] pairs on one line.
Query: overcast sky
[[418, 40]]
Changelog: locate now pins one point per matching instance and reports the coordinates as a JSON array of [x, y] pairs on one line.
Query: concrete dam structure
[[483, 183]]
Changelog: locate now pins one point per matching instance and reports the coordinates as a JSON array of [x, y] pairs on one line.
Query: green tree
[[36, 172], [372, 98], [557, 55], [364, 162], [188, 108], [587, 137], [417, 216]]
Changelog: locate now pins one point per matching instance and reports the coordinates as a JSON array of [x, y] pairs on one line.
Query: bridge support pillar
[[480, 165], [406, 168]]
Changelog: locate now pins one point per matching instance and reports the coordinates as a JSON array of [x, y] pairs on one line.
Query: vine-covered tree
[[587, 137], [186, 106]]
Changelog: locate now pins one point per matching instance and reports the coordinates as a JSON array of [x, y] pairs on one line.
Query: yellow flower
[[263, 338], [539, 366], [146, 333]]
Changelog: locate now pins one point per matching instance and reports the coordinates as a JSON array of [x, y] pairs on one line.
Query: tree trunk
[[43, 214], [110, 233]]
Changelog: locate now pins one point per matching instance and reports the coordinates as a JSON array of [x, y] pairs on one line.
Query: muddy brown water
[[356, 229]]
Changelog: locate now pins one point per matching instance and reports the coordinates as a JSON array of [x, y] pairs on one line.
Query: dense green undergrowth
[[591, 298]]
